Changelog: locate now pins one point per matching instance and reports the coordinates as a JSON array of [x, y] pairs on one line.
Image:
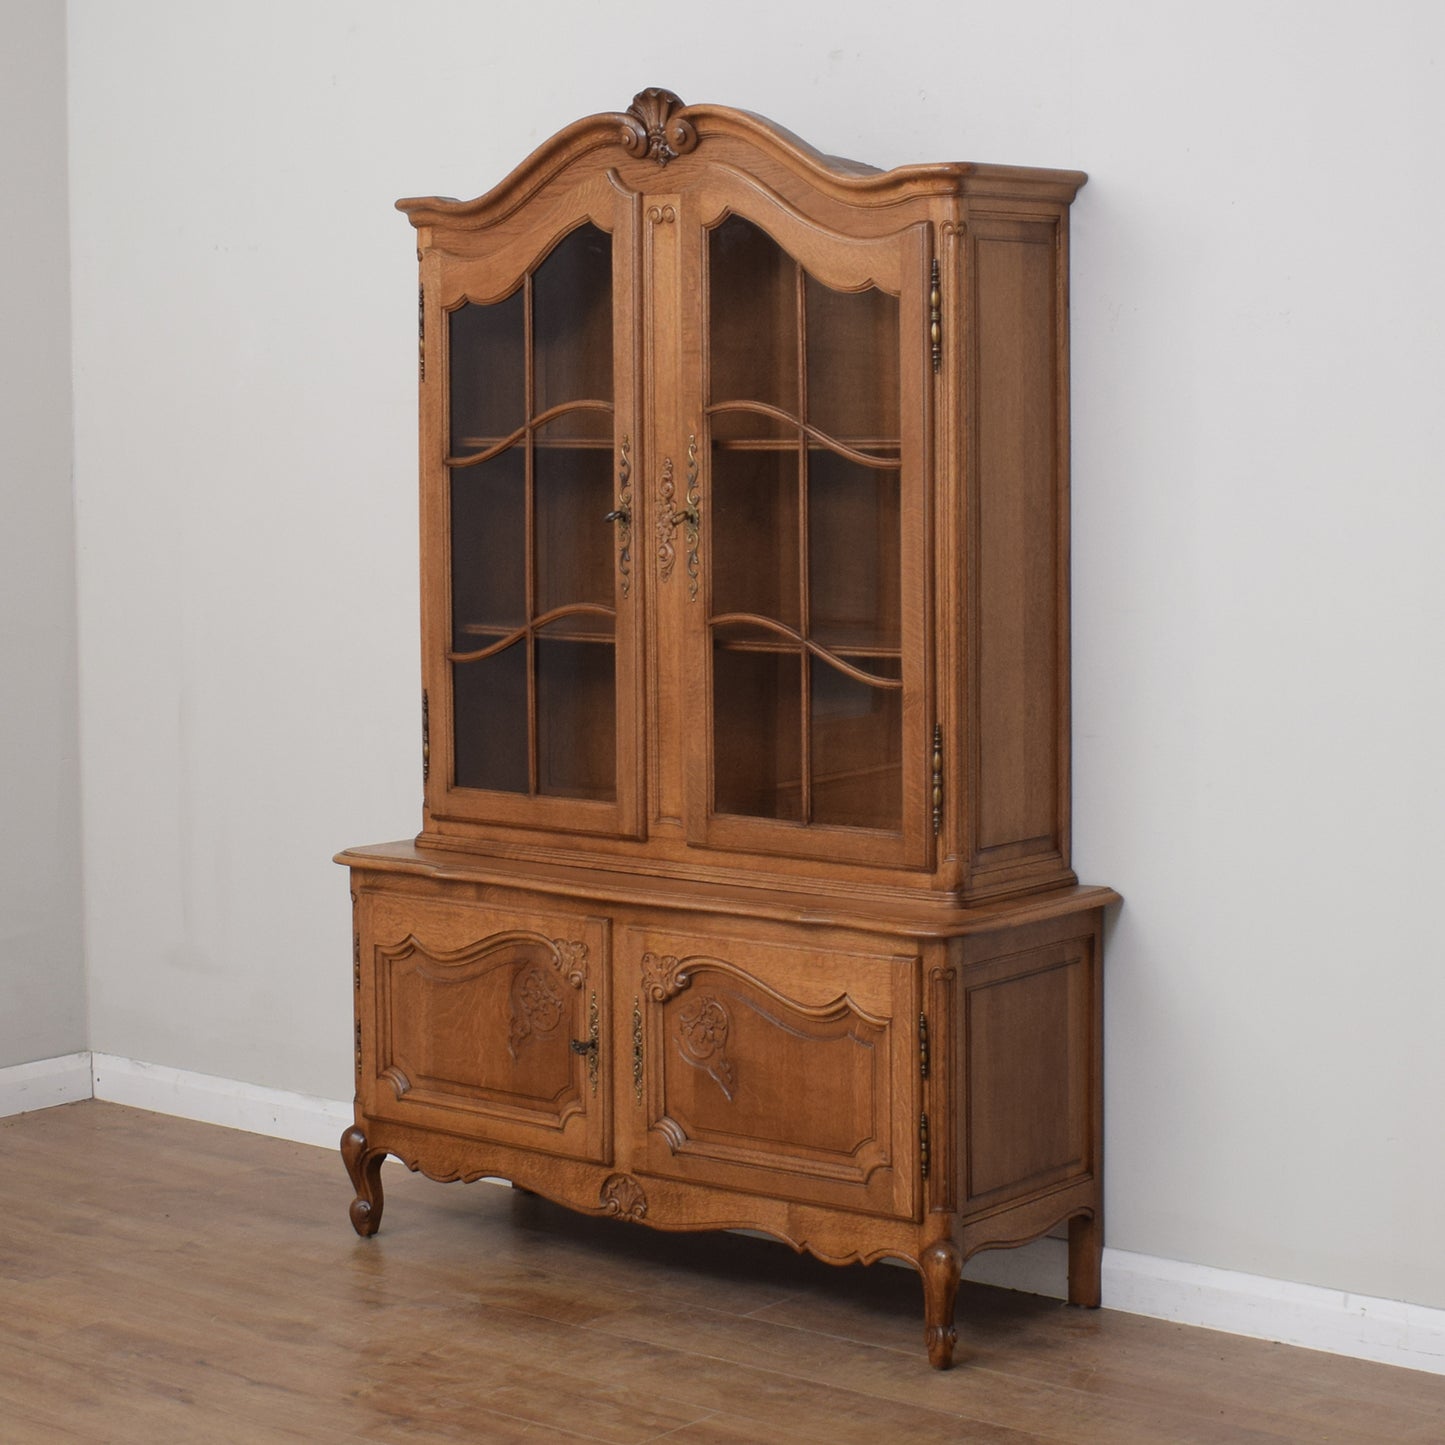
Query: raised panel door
[[775, 1069], [483, 1023]]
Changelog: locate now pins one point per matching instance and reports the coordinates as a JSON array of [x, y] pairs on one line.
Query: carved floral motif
[[537, 1002], [663, 976], [571, 960], [652, 128], [622, 1195], [702, 1036], [536, 1007], [666, 522]]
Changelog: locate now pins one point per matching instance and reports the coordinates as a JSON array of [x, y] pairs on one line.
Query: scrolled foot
[[941, 1265], [941, 1341], [363, 1165]]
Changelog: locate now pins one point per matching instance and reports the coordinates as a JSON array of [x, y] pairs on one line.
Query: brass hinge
[[923, 1046], [637, 1049], [923, 1146], [358, 1048], [356, 960], [426, 738], [935, 316], [937, 778], [421, 333]]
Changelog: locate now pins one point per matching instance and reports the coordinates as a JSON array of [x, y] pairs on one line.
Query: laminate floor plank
[[1129, 1356], [164, 1281]]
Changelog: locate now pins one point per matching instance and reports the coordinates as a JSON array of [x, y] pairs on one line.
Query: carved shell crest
[[622, 1195], [652, 129]]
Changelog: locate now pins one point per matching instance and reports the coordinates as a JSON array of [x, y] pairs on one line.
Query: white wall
[[1258, 520], [42, 982]]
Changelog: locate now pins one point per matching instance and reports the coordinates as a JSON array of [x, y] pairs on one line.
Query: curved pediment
[[658, 130]]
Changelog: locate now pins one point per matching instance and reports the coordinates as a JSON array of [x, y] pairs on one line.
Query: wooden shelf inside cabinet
[[743, 894]]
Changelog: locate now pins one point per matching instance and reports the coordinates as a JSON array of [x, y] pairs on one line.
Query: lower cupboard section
[[859, 1094]]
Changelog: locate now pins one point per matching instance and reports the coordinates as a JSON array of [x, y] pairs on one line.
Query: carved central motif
[[536, 1007], [537, 1001], [653, 129], [622, 1195], [702, 1036]]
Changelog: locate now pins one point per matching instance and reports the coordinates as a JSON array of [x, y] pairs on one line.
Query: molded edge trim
[[1389, 1332]]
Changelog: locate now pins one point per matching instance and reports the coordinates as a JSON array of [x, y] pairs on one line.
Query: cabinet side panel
[[1019, 577]]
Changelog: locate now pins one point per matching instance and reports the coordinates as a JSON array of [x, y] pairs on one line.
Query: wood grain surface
[[165, 1281]]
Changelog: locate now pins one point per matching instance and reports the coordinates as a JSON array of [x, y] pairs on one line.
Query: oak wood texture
[[743, 893], [483, 1314]]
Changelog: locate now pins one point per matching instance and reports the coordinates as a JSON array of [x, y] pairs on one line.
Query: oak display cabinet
[[743, 893]]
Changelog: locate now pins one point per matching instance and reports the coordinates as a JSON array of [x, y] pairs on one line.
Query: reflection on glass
[[805, 532], [853, 552], [535, 701], [754, 521], [572, 492], [852, 347], [489, 549], [757, 725], [572, 333], [576, 717], [489, 698], [487, 373], [857, 730], [753, 325]]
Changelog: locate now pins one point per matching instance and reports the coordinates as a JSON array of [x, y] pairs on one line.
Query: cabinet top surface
[[658, 131], [920, 919]]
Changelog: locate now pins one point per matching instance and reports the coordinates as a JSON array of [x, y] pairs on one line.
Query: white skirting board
[[1313, 1318], [283, 1115], [24, 1087]]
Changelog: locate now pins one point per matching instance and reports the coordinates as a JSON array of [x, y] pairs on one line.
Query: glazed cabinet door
[[774, 1069], [806, 594], [483, 1024], [529, 609]]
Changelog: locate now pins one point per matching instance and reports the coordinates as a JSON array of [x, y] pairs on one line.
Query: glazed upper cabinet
[[742, 523]]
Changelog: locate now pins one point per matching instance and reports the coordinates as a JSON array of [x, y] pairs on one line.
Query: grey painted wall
[[42, 983]]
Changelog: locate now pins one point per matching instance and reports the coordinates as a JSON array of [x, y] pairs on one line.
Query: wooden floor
[[162, 1281]]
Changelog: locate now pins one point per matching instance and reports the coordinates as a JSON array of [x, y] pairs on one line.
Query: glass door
[[808, 647], [536, 634]]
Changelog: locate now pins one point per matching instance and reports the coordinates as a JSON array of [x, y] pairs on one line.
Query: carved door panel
[[529, 437], [801, 539], [484, 1024], [776, 1070]]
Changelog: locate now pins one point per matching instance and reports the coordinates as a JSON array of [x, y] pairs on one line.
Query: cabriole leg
[[1086, 1253], [364, 1166], [941, 1265]]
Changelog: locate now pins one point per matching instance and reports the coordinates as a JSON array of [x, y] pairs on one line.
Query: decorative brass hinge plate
[[923, 1046], [426, 737], [421, 333], [937, 778], [637, 1049], [923, 1146], [935, 316]]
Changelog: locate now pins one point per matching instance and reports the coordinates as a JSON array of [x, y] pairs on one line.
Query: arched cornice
[[658, 129]]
